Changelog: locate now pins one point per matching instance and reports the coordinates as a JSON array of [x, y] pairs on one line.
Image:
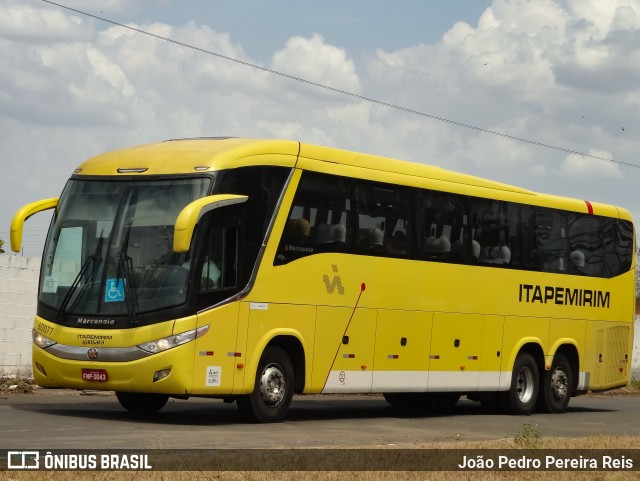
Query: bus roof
[[188, 156], [199, 155]]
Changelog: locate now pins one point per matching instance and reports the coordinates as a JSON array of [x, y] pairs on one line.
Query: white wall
[[18, 291]]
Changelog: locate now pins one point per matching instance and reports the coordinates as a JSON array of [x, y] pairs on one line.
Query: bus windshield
[[109, 249]]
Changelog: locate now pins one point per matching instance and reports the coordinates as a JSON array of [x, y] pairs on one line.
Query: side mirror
[[191, 214], [17, 224]]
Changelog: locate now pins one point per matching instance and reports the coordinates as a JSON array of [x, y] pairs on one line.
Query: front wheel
[[557, 384], [142, 403], [523, 392], [273, 388]]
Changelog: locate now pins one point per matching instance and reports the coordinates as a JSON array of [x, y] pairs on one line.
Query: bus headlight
[[174, 340], [40, 340]]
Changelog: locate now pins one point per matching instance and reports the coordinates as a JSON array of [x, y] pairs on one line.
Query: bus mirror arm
[[191, 214], [17, 224]]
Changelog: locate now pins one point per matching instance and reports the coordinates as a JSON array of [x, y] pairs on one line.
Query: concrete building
[[18, 291]]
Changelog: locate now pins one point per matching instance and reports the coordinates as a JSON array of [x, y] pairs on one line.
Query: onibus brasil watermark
[[25, 460], [329, 459]]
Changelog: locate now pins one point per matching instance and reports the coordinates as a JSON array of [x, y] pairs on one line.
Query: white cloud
[[578, 167], [314, 60], [26, 22], [103, 7]]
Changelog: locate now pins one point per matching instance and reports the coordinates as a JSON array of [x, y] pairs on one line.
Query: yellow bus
[[252, 270]]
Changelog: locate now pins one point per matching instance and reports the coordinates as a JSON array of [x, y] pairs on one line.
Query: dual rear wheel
[[557, 385], [548, 391]]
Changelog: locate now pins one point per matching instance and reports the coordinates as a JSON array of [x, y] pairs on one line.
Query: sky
[[563, 73]]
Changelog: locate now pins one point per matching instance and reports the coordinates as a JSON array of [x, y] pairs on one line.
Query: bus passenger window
[[552, 243], [620, 253], [384, 213], [319, 219], [443, 220], [491, 231], [586, 242]]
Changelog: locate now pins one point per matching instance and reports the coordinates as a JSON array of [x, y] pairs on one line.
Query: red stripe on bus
[[589, 207]]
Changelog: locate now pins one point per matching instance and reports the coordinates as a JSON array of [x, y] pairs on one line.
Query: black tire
[[522, 395], [556, 386], [142, 403], [273, 388]]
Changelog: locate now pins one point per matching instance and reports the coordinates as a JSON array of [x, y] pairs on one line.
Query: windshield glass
[[109, 250]]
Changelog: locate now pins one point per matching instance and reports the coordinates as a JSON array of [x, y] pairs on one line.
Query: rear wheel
[[557, 384], [273, 389], [522, 395], [142, 403]]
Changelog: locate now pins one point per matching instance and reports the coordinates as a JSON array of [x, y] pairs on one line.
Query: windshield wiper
[[125, 268], [76, 282]]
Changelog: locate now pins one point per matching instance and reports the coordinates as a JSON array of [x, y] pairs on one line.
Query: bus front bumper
[[151, 374]]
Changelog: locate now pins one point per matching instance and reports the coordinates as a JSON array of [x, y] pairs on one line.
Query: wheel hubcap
[[272, 385], [525, 384], [559, 384]]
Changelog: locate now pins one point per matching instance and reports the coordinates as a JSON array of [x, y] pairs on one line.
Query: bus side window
[[491, 232], [220, 262], [552, 241], [611, 263], [443, 220], [622, 249], [319, 219], [384, 219], [586, 241]]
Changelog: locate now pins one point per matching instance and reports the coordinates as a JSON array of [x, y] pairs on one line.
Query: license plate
[[95, 375]]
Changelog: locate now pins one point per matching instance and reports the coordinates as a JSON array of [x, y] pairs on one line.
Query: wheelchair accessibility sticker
[[114, 291]]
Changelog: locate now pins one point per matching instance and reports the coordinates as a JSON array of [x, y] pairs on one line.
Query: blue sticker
[[114, 291]]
